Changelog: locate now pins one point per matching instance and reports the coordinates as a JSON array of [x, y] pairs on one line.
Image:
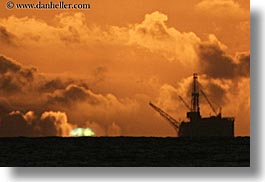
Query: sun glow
[[82, 132]]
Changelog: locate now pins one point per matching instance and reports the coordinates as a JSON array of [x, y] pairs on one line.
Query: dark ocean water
[[125, 151]]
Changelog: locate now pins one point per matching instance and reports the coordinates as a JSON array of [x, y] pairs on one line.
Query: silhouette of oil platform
[[197, 126]]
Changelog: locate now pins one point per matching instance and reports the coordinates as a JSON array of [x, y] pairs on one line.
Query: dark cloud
[[5, 106], [22, 86], [26, 89], [73, 36], [73, 93], [44, 128], [215, 93], [212, 88], [99, 74], [16, 124], [14, 77], [13, 125], [217, 64], [52, 85], [110, 114], [243, 64], [157, 30], [8, 65], [6, 37]]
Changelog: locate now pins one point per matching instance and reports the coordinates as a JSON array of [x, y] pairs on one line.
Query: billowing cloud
[[217, 64], [59, 121], [217, 8], [7, 37], [155, 35], [72, 93], [229, 97], [13, 77], [16, 124], [45, 95], [5, 106], [152, 34], [215, 89], [125, 67]]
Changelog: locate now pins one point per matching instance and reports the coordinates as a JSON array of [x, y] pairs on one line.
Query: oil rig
[[198, 126]]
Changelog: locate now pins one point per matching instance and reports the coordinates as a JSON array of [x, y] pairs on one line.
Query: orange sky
[[130, 52]]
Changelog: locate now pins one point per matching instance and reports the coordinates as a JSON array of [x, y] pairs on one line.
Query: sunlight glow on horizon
[[82, 132]]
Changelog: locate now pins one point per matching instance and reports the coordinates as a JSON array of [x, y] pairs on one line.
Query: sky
[[99, 68]]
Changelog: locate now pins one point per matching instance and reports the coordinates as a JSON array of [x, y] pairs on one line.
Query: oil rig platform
[[198, 126]]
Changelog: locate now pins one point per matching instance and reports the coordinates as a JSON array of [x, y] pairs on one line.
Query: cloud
[[42, 95], [52, 85], [125, 67], [96, 127], [169, 100], [155, 35], [72, 93], [243, 63], [58, 121], [217, 64], [5, 106], [99, 108], [217, 8], [231, 97], [51, 123], [7, 37], [152, 34], [72, 31], [14, 124], [14, 77], [99, 74], [114, 130]]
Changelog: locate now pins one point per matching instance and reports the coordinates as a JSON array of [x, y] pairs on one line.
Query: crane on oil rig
[[171, 120], [209, 102], [184, 102]]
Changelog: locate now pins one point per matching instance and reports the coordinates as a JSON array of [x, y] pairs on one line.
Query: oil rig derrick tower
[[198, 126]]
